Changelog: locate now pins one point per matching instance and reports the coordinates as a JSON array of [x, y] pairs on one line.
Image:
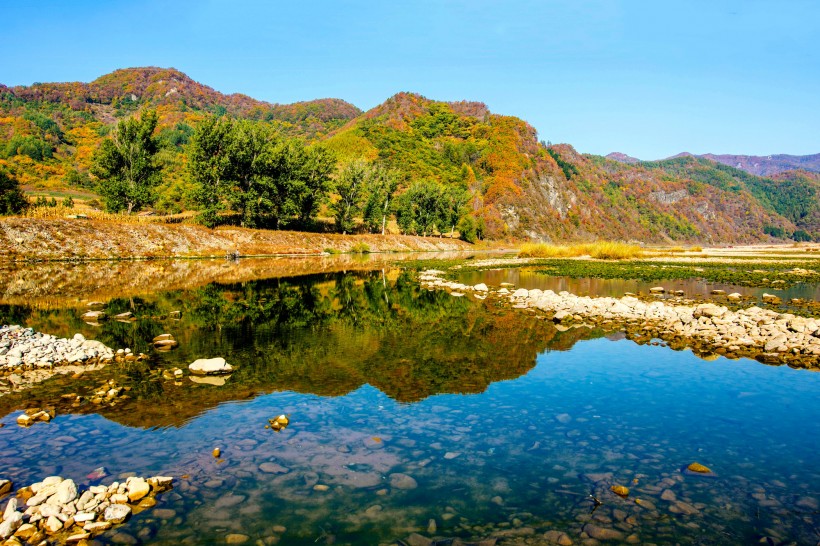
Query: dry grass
[[61, 212], [601, 250]]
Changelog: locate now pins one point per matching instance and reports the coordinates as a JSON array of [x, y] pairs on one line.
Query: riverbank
[[707, 328], [28, 357], [84, 239]]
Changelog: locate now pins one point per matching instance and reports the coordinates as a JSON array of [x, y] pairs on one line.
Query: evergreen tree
[[12, 199]]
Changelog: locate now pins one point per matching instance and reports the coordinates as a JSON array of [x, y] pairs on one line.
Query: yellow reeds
[[601, 250]]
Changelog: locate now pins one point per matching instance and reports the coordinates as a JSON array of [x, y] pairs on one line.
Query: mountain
[[520, 187], [754, 164], [768, 165], [623, 158]]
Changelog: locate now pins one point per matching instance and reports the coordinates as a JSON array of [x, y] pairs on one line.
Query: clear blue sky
[[648, 78]]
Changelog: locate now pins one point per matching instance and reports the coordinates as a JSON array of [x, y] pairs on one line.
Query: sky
[[646, 78]]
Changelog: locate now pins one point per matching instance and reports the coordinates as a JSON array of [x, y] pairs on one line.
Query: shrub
[[360, 248]]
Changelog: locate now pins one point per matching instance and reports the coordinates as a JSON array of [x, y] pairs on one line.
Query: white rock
[[10, 524], [66, 492], [117, 513], [210, 366], [10, 507]]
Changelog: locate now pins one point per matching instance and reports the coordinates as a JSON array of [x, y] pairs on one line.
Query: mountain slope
[[769, 165], [520, 187]]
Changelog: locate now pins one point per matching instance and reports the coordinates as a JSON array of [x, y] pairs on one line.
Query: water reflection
[[408, 406], [321, 334]]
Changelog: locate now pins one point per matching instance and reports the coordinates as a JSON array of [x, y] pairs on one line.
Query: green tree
[[454, 206], [209, 166], [12, 199], [312, 168], [382, 184], [126, 166], [420, 209], [351, 188]]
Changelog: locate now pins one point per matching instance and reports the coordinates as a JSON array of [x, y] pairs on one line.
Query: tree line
[[247, 172]]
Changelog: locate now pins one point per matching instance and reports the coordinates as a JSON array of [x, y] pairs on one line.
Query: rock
[[216, 452], [137, 489], [563, 418], [11, 507], [669, 495], [117, 513], [78, 537], [718, 292], [53, 525], [481, 287], [699, 468], [558, 537], [66, 491], [25, 420], [734, 296], [26, 531], [418, 540], [5, 486], [657, 290], [772, 299], [603, 533], [236, 538], [273, 468], [402, 481], [451, 455], [320, 487], [94, 316], [10, 525], [164, 513], [561, 316], [100, 526], [163, 337], [210, 366], [620, 490]]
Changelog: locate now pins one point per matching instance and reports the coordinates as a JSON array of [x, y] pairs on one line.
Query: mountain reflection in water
[[324, 334]]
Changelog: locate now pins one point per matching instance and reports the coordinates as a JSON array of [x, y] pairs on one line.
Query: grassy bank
[[65, 239]]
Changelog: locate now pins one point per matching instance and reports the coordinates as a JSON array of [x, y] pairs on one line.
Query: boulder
[[210, 366]]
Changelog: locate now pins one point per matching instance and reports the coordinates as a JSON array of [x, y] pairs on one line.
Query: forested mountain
[[517, 185], [758, 165]]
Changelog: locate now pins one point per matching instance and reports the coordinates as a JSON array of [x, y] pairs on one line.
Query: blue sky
[[647, 78]]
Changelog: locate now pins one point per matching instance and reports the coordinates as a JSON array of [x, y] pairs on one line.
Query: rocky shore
[[55, 511], [28, 357], [708, 328]]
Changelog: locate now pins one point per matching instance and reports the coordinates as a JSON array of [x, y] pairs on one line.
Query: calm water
[[412, 406], [529, 279]]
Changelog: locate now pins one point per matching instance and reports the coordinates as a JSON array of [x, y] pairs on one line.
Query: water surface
[[408, 406]]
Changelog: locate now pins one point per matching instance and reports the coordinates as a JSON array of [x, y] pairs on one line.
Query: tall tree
[[350, 187], [12, 199], [125, 164], [382, 184], [420, 209], [209, 165], [312, 167]]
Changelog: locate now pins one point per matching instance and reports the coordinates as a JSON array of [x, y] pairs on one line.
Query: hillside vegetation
[[481, 172]]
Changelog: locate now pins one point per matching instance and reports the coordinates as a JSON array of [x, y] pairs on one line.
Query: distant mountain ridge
[[519, 186], [759, 165]]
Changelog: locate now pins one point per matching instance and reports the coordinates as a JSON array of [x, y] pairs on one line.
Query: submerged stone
[[210, 366]]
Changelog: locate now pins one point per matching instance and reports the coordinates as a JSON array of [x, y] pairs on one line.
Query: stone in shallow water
[[557, 537], [603, 533], [236, 538], [620, 490], [273, 468], [402, 481], [210, 366], [117, 513]]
